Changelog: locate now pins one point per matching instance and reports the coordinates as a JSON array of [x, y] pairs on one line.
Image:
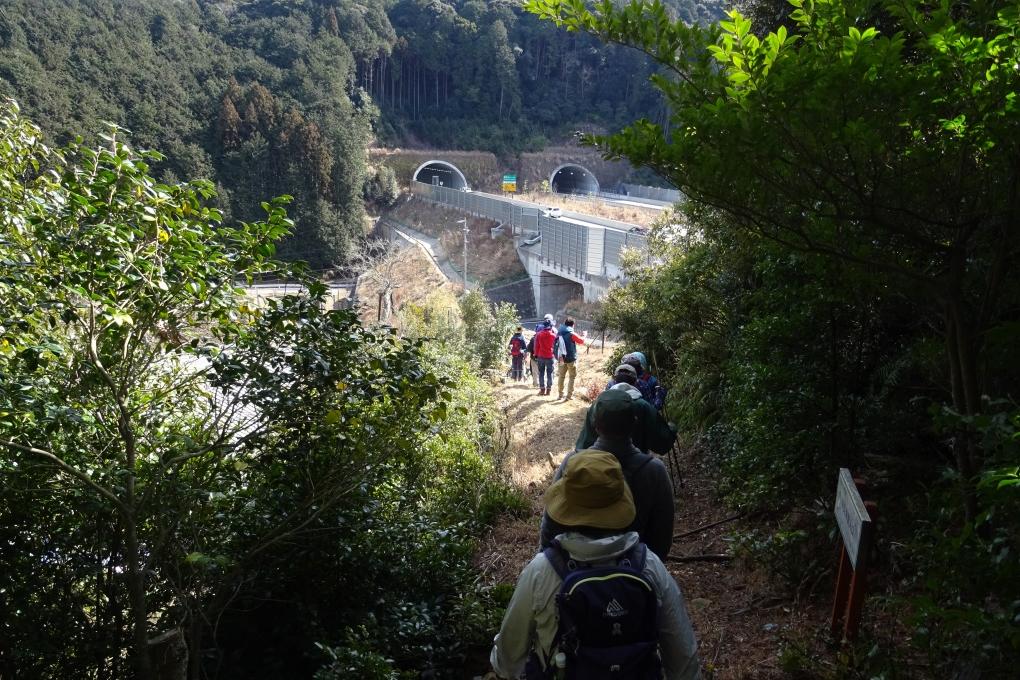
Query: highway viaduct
[[569, 256]]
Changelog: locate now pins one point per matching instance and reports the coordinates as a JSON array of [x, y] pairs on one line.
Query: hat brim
[[619, 515]]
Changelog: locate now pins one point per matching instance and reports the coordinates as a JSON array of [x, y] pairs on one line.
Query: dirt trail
[[741, 620]]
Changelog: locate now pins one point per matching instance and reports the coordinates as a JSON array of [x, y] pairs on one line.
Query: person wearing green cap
[[594, 504], [651, 432], [613, 420]]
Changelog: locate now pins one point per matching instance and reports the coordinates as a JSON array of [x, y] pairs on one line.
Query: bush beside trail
[[264, 491]]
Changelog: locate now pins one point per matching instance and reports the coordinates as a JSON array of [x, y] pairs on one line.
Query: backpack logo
[[615, 609]]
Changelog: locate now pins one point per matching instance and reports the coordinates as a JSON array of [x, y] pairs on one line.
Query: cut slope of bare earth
[[740, 618]]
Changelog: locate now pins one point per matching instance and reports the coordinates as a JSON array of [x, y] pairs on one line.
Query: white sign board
[[852, 517]]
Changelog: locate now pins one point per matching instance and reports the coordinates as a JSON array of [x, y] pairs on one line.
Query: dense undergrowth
[[783, 368], [841, 290], [197, 487]]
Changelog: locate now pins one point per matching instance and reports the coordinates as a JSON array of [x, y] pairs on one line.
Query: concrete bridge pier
[[554, 285]]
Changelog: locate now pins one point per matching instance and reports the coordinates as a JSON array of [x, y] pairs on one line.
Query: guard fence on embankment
[[584, 247]]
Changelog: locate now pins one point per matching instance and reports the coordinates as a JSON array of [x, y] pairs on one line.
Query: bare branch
[[74, 472]]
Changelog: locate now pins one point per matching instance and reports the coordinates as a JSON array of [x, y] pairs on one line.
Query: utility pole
[[464, 222]]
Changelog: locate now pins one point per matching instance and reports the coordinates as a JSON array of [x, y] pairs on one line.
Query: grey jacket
[[653, 497], [530, 621]]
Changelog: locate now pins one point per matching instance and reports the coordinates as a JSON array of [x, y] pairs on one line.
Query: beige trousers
[[563, 370]]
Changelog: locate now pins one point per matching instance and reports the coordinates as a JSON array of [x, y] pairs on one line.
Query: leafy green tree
[[879, 134], [171, 453], [487, 329], [116, 272]]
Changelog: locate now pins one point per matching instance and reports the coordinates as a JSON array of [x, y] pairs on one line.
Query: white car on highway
[[553, 212]]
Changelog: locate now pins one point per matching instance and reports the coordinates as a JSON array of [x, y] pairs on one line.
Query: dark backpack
[[531, 345], [517, 345], [608, 618], [568, 344]]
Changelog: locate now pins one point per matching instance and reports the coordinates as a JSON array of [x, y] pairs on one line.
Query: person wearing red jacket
[[545, 343]]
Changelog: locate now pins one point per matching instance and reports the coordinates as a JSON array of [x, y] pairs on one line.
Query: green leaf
[[121, 319]]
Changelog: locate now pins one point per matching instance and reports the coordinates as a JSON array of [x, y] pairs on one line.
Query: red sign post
[[856, 520]]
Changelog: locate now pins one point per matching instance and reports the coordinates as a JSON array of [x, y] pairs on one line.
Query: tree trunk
[[966, 402], [195, 645], [136, 595]]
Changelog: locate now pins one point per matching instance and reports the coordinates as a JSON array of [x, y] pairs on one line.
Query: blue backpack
[[608, 618]]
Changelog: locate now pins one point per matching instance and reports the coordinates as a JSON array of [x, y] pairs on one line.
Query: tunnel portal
[[571, 178], [441, 173]]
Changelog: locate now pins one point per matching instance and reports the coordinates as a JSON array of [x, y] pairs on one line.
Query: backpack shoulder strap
[[634, 558], [557, 557]]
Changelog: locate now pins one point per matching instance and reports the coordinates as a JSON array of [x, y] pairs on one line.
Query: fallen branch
[[718, 646], [721, 557], [707, 526]]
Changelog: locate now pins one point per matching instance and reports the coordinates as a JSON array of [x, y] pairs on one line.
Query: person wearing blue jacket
[[566, 358], [647, 384]]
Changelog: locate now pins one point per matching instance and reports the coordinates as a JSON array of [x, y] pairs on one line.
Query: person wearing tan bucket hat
[[594, 495], [542, 637], [613, 420]]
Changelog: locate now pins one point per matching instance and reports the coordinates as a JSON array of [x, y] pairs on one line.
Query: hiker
[[613, 416], [566, 358], [629, 360], [596, 601], [651, 432], [648, 384], [533, 361], [545, 341], [518, 348]]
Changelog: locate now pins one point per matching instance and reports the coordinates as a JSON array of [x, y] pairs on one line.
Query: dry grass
[[416, 277], [489, 259], [597, 207], [543, 431]]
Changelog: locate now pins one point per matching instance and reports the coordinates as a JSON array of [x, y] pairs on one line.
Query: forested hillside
[[485, 75], [268, 97], [255, 96]]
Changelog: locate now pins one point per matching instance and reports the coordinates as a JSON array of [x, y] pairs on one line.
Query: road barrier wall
[[653, 193], [581, 250]]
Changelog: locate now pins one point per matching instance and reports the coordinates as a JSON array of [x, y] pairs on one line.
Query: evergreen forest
[[272, 97]]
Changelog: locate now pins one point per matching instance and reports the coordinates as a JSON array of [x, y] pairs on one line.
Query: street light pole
[[464, 222]]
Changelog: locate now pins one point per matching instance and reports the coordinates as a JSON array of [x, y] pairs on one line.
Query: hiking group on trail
[[547, 347], [596, 602]]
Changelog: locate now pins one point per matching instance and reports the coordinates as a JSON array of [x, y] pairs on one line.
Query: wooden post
[[858, 584], [842, 589], [856, 520], [379, 315]]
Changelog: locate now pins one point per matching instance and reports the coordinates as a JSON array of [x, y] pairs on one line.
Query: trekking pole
[[674, 464], [673, 457]]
